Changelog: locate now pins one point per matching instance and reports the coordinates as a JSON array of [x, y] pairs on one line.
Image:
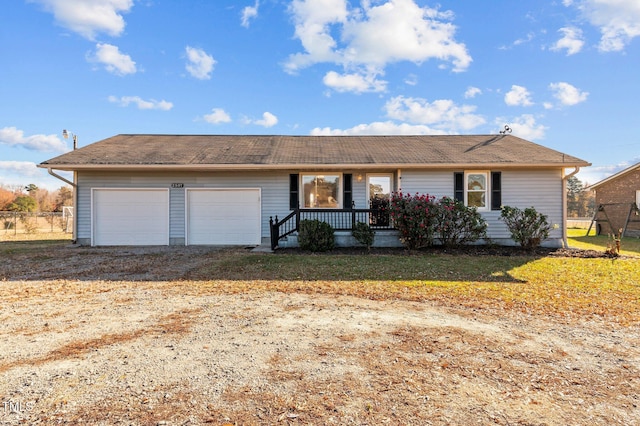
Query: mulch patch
[[469, 250]]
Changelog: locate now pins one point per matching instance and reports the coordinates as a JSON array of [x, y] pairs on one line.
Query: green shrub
[[457, 224], [528, 227], [363, 234], [414, 218], [315, 235], [421, 220]]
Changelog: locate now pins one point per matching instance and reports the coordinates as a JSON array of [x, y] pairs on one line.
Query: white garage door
[[130, 217], [223, 216]]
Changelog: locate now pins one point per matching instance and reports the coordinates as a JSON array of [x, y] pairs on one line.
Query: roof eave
[[298, 166]]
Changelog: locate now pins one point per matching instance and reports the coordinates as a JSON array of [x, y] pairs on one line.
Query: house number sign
[[177, 185]]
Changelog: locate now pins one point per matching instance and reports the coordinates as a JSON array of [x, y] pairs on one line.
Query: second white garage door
[[223, 216]]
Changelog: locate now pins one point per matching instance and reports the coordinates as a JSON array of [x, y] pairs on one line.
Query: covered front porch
[[342, 221]]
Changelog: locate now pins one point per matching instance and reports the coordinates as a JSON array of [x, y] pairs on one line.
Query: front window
[[476, 190], [321, 191]]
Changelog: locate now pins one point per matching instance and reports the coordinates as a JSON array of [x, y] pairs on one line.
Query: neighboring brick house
[[615, 197]]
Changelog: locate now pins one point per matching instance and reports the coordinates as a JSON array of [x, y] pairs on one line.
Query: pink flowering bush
[[458, 224], [421, 220], [413, 216]]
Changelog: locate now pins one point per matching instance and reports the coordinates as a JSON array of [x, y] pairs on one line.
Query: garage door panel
[[130, 217], [223, 217]]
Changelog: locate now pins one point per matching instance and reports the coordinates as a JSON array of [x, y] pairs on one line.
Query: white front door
[[379, 187]]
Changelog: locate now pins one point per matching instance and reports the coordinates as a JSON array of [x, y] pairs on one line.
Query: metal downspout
[[75, 199], [565, 241]]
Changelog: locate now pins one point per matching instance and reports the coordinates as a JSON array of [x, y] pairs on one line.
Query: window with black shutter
[[496, 190], [472, 189], [294, 191], [347, 192], [458, 192]]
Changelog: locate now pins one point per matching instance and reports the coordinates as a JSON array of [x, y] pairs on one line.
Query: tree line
[[581, 201], [30, 198]]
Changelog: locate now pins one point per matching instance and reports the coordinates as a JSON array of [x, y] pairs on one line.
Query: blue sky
[[563, 73]]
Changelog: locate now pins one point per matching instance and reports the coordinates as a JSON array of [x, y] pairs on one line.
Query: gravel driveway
[[118, 336]]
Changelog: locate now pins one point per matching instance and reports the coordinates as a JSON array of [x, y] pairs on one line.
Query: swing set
[[601, 217]]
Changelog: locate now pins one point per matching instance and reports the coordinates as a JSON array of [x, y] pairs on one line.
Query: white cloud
[[525, 127], [472, 92], [411, 80], [13, 137], [113, 61], [312, 22], [530, 36], [249, 13], [268, 120], [571, 40], [518, 96], [596, 173], [418, 116], [443, 114], [525, 40], [379, 128], [19, 168], [400, 30], [20, 173], [568, 94], [357, 83], [141, 103], [366, 39], [618, 20], [200, 64], [217, 116], [89, 17]]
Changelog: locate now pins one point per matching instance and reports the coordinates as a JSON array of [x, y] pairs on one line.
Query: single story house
[[617, 202], [146, 189]]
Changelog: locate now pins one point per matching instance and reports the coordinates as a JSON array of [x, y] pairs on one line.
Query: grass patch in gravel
[[561, 286]]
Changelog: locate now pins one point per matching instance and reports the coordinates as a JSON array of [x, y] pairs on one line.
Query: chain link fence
[[14, 223]]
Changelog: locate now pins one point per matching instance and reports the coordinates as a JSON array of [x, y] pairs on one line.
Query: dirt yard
[[104, 336]]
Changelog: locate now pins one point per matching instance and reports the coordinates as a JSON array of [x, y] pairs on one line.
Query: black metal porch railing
[[339, 219]]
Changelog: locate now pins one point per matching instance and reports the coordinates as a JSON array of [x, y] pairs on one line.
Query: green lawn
[[584, 288], [578, 239], [607, 288]]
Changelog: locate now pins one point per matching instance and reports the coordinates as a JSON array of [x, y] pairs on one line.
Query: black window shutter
[[458, 190], [347, 193], [293, 191], [496, 190]]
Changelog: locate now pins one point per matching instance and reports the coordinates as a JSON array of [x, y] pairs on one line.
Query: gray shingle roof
[[279, 152]]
